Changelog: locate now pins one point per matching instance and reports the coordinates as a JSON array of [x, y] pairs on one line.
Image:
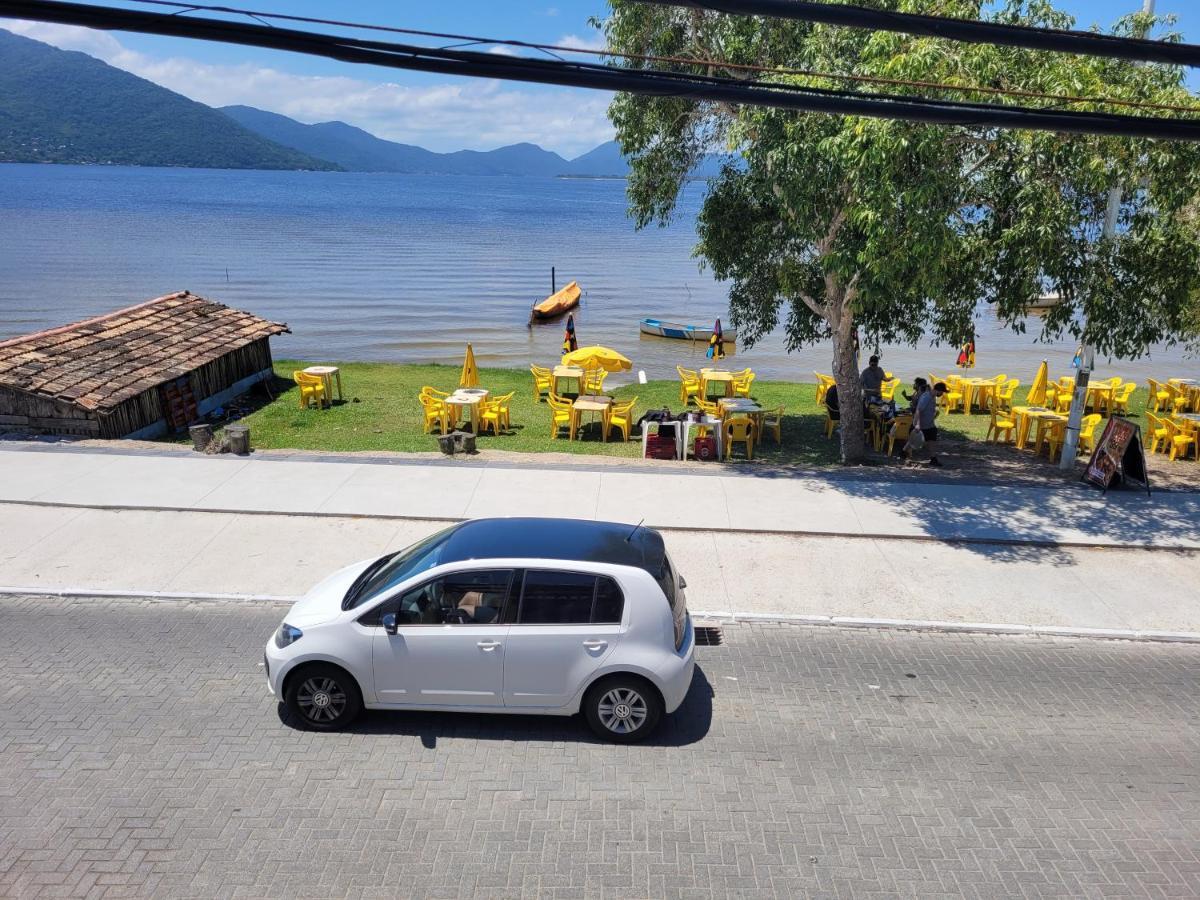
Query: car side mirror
[[389, 622]]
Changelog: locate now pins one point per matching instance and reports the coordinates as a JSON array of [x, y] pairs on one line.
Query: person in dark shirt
[[872, 380], [831, 403]]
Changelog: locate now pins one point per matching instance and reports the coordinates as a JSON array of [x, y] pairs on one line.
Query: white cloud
[[592, 40], [467, 114]]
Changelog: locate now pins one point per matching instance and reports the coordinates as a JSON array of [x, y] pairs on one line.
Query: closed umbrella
[[597, 358], [470, 374], [966, 354], [1037, 393], [569, 341], [716, 345]]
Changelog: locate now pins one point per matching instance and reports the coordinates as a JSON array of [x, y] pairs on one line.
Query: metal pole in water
[[553, 286]]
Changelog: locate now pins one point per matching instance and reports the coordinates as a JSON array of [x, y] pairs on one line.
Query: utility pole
[[1087, 358]]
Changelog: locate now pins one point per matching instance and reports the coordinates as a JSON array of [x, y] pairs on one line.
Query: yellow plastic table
[[327, 374], [716, 376], [566, 373], [1026, 416], [468, 398], [982, 388], [592, 403]]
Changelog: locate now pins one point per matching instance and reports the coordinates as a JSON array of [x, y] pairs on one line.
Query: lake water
[[405, 268]]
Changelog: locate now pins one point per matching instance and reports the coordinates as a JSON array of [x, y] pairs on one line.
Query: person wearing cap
[[925, 417]]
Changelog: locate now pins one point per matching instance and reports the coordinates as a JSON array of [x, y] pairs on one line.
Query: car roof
[[576, 540]]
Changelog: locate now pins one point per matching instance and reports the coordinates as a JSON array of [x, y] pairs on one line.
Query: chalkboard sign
[[1118, 453]]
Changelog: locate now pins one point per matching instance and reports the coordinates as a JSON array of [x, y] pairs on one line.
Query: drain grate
[[709, 636]]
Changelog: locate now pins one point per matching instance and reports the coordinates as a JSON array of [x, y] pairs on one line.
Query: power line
[[1086, 43], [573, 74], [679, 60]]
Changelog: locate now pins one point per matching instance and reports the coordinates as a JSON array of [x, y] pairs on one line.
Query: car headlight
[[287, 634]]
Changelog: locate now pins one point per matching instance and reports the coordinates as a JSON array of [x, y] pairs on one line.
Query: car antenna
[[635, 528]]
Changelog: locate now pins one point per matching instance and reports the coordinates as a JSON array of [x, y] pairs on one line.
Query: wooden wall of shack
[[23, 411]]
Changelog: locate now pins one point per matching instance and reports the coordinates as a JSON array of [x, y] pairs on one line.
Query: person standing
[[925, 419]]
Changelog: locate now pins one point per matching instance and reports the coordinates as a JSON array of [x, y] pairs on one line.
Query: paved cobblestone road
[[140, 755]]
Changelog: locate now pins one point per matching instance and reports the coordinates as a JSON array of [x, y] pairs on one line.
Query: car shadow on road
[[687, 725]]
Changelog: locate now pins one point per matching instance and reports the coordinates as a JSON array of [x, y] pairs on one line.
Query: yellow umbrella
[[597, 358], [470, 374], [1037, 393]]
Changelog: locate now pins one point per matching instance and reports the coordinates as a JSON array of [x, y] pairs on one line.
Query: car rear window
[[569, 598], [669, 583]]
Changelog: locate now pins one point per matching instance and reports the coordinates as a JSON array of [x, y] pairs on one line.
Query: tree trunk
[[849, 386]]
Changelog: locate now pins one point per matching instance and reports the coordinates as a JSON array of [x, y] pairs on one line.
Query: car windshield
[[397, 568]]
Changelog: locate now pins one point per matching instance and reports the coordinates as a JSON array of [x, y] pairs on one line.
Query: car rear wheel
[[323, 698], [623, 709]]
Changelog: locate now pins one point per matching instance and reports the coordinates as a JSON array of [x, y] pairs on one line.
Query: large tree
[[841, 225]]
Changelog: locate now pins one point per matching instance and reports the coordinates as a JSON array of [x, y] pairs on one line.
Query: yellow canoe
[[558, 302]]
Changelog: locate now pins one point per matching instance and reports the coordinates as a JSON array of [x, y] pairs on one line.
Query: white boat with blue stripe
[[684, 332]]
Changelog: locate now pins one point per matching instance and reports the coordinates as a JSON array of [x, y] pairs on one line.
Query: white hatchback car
[[542, 616]]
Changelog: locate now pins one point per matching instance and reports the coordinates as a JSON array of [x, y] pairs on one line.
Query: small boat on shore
[[660, 328], [559, 302], [1045, 301]]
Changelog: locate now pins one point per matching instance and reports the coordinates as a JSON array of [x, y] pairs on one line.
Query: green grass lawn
[[381, 412]]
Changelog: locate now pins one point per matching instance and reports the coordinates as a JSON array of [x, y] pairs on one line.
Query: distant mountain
[[359, 151], [66, 107], [604, 160]]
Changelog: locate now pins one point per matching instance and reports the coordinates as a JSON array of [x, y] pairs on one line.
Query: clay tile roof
[[103, 361]]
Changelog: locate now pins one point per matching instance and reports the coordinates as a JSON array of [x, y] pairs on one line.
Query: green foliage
[[838, 224], [63, 107]]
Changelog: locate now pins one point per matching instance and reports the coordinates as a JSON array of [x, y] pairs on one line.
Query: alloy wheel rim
[[321, 699], [622, 710]]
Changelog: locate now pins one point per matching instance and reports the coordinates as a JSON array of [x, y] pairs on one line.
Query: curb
[[683, 529], [708, 616]]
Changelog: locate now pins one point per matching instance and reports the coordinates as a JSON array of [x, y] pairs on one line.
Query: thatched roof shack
[[137, 372]]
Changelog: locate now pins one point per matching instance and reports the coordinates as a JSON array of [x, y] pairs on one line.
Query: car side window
[[610, 602], [569, 598], [461, 598]]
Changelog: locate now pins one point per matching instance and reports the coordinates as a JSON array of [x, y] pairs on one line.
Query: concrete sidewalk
[[724, 500], [826, 548]]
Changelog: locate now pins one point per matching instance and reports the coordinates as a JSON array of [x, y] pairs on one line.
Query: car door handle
[[488, 646], [595, 645]]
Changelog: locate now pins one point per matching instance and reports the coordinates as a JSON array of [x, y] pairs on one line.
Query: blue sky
[[434, 111]]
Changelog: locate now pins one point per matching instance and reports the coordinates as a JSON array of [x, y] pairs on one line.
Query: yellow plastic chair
[[887, 390], [1156, 433], [772, 422], [1053, 437], [741, 383], [1179, 440], [593, 381], [1062, 401], [1120, 397], [830, 423], [1087, 432], [900, 430], [493, 414], [1000, 379], [1003, 423], [739, 430], [434, 392], [1158, 396], [542, 382], [710, 407], [562, 415], [1179, 399], [619, 416], [312, 389], [689, 383], [953, 398], [1005, 394], [450, 409], [435, 414], [824, 383]]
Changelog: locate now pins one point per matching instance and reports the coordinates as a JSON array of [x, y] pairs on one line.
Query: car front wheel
[[323, 698], [623, 709]]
